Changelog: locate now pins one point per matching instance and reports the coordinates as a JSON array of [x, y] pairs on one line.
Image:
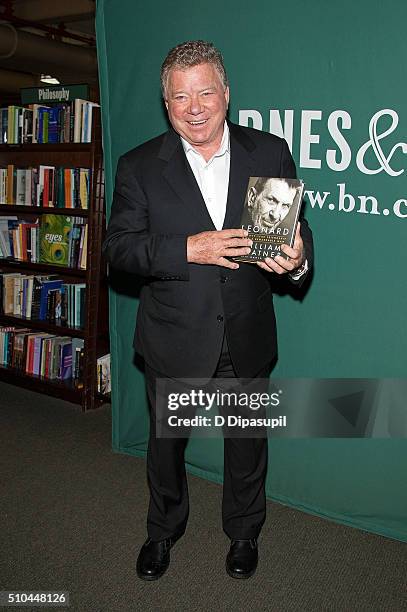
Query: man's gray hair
[[192, 53], [262, 181]]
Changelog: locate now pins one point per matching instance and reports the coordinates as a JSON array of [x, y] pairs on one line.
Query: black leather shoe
[[154, 558], [241, 561]]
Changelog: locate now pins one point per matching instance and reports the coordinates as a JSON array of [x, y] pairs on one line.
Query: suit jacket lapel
[[242, 165], [181, 179]]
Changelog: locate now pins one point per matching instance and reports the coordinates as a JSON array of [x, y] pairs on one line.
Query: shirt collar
[[224, 145]]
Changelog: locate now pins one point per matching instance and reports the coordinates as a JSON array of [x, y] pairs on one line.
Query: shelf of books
[[53, 287]]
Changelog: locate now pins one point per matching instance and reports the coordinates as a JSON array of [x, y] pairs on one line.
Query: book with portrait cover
[[55, 231], [270, 214]]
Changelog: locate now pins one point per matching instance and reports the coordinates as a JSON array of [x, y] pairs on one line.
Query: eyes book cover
[[55, 233]]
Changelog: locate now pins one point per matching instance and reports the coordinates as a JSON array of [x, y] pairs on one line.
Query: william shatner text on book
[[270, 214]]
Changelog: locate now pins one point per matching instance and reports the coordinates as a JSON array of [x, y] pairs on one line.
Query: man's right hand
[[214, 247]]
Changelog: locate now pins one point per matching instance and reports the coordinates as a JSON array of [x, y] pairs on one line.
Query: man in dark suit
[[175, 221]]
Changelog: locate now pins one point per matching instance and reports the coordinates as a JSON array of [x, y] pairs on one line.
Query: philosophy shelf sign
[[51, 94]]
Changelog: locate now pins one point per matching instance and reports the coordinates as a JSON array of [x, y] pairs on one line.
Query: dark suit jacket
[[185, 307]]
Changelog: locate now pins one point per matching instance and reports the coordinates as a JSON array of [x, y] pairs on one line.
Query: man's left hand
[[280, 265]]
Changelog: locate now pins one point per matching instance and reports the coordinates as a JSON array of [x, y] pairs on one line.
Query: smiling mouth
[[202, 122]]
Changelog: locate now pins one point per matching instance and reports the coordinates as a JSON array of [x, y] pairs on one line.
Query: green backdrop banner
[[331, 79]]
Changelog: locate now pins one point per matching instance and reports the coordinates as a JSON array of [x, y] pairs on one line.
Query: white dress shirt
[[212, 176]]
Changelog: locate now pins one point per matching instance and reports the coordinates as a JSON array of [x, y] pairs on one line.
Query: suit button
[[220, 318], [223, 279]]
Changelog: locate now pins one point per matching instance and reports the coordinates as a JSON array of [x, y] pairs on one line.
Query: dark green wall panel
[[297, 56]]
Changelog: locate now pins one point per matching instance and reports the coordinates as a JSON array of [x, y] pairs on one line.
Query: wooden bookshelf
[[95, 330], [42, 326], [63, 389], [16, 264], [66, 147], [18, 209]]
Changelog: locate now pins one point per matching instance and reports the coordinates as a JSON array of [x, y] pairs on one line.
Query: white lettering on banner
[[307, 116], [373, 142], [345, 197], [337, 121], [317, 199], [348, 203], [344, 148], [276, 127], [396, 208], [375, 205], [254, 115]]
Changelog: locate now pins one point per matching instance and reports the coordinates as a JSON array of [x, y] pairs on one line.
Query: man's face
[[272, 204], [197, 103]]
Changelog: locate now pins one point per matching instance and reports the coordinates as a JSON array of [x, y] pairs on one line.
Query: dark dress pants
[[245, 468]]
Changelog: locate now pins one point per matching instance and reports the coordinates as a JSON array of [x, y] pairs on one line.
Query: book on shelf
[[46, 287], [66, 361], [13, 124], [52, 239], [18, 239], [104, 381], [74, 305], [55, 234], [78, 356], [44, 185], [83, 120], [5, 250], [3, 125], [17, 348], [51, 123], [270, 214], [40, 353], [43, 298]]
